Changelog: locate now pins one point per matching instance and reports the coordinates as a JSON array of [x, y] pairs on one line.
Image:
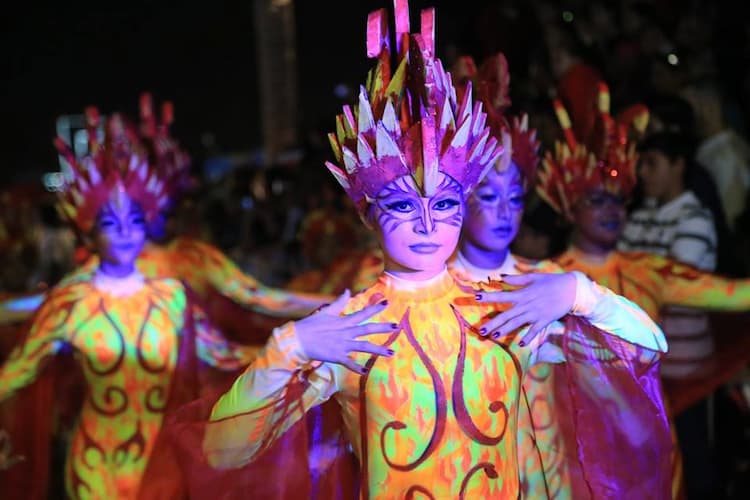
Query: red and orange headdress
[[409, 122], [492, 81], [118, 165], [170, 162], [607, 162]]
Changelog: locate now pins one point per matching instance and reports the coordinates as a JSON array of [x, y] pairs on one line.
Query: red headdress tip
[[428, 133]]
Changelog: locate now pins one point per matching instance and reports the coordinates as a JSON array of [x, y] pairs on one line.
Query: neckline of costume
[[592, 260], [118, 287], [480, 274], [406, 290]]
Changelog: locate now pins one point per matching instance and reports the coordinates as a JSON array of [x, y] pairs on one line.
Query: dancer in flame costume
[[204, 268], [430, 398], [589, 184], [137, 339], [494, 212]]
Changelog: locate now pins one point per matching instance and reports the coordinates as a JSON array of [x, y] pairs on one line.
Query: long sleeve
[[616, 315], [598, 307], [229, 280], [687, 286], [267, 399], [47, 334]]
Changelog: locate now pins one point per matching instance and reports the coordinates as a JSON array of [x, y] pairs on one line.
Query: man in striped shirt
[[674, 223]]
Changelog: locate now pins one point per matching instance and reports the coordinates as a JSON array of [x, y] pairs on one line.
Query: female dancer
[[431, 407], [589, 185], [228, 294], [136, 338]]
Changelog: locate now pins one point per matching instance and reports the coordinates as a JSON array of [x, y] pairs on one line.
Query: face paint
[[418, 234], [494, 213], [120, 233], [600, 218]]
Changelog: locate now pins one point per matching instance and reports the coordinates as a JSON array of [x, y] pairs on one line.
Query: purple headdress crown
[[409, 122]]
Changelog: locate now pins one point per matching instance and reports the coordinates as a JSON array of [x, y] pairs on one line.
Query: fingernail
[[391, 352], [478, 296], [363, 371], [395, 326], [483, 331], [522, 343], [503, 275], [384, 303], [495, 335]]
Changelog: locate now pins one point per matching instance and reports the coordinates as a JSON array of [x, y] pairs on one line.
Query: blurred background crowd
[[687, 61]]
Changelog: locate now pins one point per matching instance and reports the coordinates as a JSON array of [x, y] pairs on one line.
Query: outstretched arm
[[545, 298], [46, 336], [231, 282], [687, 286], [296, 370]]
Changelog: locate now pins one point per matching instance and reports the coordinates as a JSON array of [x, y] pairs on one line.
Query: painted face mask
[[418, 233]]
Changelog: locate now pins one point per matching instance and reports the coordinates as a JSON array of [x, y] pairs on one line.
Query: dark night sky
[[200, 55]]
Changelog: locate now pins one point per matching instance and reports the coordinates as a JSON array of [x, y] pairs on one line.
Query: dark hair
[[675, 111], [697, 179], [673, 145]]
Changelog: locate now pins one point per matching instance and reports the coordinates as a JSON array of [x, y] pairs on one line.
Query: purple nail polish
[[363, 371], [391, 352], [384, 303], [496, 335], [395, 326], [483, 331], [478, 296], [522, 343]]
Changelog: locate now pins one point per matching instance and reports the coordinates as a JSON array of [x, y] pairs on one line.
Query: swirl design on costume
[[140, 349], [115, 401], [486, 467], [440, 407], [459, 402], [121, 351], [121, 453], [412, 491], [156, 399], [89, 446]]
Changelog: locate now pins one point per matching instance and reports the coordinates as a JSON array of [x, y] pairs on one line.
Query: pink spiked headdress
[[409, 122], [171, 163], [492, 81], [117, 166], [607, 162]]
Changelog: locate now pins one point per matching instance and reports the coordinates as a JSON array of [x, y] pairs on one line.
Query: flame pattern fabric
[[439, 419], [127, 349], [204, 268]]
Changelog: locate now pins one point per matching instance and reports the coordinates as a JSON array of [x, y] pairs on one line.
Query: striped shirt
[[684, 230]]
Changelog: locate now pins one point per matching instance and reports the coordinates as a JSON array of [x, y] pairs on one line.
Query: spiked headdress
[[116, 166], [608, 162], [171, 163], [409, 122], [492, 81]]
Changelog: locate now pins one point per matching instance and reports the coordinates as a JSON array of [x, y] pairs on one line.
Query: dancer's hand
[[328, 336], [542, 299]]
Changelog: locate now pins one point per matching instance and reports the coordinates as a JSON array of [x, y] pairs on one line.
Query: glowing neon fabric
[[440, 417], [127, 345]]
